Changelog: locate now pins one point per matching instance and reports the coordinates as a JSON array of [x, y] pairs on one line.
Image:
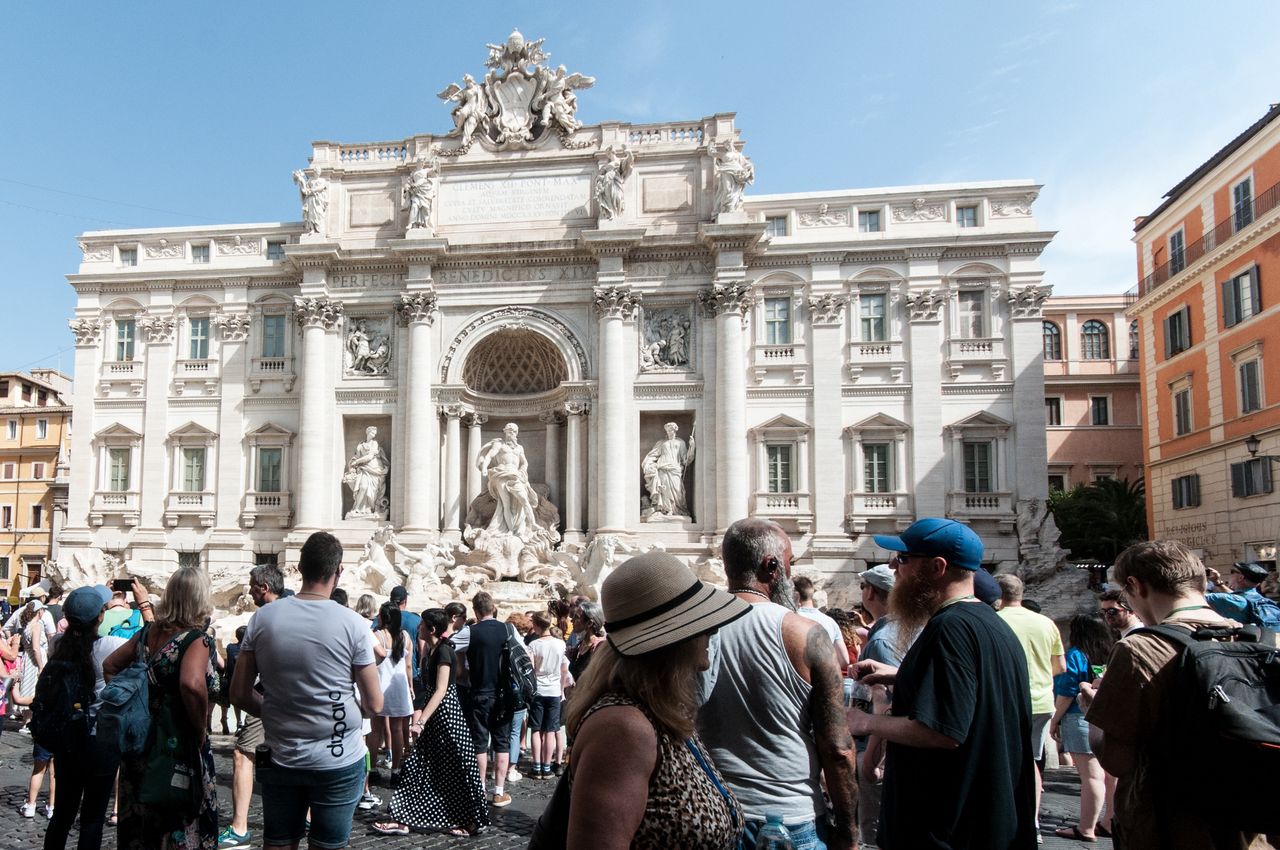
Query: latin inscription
[[380, 280], [515, 274], [515, 199]]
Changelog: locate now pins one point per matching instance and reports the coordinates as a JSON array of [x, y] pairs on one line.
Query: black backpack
[[517, 669], [1223, 719], [60, 709]]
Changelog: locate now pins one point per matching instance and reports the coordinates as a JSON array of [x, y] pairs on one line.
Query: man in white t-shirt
[[552, 667], [312, 655], [804, 607]]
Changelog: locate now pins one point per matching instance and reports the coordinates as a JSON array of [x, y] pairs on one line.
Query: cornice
[[876, 391], [779, 392], [983, 389], [667, 390]]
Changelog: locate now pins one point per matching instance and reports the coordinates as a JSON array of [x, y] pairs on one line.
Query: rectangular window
[[193, 470], [188, 560], [11, 429], [1186, 491], [126, 331], [26, 392], [4, 566], [37, 471], [1250, 387], [1100, 410], [4, 389], [872, 310], [1177, 332], [1182, 412], [1241, 297], [1242, 203], [266, 558], [875, 468], [777, 321], [779, 472], [199, 253], [200, 338], [1052, 410], [269, 464], [118, 470], [275, 250], [869, 221], [775, 225], [1251, 477], [128, 256], [1102, 476], [967, 216], [37, 516], [971, 314], [1057, 482], [42, 429], [273, 336], [42, 397], [6, 516], [1177, 252], [977, 467], [10, 471]]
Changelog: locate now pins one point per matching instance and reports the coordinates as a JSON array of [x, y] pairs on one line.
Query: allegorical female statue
[[663, 469], [366, 477]]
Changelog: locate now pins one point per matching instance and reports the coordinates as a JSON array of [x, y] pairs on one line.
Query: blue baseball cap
[[938, 538], [84, 604]]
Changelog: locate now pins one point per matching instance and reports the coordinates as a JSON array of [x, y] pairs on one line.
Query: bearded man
[[958, 769]]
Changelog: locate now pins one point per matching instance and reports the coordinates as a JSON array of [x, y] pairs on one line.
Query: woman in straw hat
[[639, 776]]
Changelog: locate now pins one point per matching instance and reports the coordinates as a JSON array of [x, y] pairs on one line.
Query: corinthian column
[[573, 476], [417, 311], [616, 306], [452, 475], [551, 455], [730, 304], [317, 316]]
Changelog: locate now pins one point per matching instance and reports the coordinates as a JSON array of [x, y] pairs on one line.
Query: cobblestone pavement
[[511, 826]]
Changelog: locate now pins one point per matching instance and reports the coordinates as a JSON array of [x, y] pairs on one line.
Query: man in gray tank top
[[773, 712]]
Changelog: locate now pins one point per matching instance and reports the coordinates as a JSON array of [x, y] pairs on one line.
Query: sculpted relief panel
[[367, 347], [667, 342]]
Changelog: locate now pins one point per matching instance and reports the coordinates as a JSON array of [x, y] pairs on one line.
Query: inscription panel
[[371, 209], [515, 199], [515, 274], [667, 194]]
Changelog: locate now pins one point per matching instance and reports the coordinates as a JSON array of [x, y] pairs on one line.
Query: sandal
[[390, 828], [112, 819], [1102, 831], [1075, 834], [461, 832]]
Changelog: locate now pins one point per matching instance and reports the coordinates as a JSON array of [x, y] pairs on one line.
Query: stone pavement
[[510, 829]]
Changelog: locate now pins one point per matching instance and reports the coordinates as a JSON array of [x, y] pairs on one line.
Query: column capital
[[577, 408], [924, 306], [417, 307], [233, 326], [158, 330], [87, 331], [616, 302], [453, 410], [827, 309], [1027, 302], [321, 312], [472, 419], [551, 417], [729, 298]]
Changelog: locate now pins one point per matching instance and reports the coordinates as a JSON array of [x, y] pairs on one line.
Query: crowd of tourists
[[671, 713]]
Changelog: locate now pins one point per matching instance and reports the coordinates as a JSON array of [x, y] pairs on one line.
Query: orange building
[[35, 433], [1208, 308], [1091, 413]]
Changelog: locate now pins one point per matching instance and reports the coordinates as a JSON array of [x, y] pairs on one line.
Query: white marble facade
[[846, 360]]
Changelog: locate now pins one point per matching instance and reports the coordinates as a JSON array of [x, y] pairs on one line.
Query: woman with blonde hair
[[179, 654], [639, 776]]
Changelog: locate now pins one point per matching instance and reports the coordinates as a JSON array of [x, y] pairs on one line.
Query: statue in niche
[[665, 344], [504, 466], [664, 471], [614, 172], [471, 113], [419, 192], [315, 200], [366, 477], [734, 173], [368, 350]]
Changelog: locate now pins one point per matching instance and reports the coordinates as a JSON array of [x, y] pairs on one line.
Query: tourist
[[640, 777], [313, 655], [118, 611], [34, 650], [224, 699], [86, 769], [773, 718], [340, 596], [559, 609], [519, 721], [805, 608], [54, 603], [266, 584], [588, 627], [552, 668], [395, 662], [1089, 643], [179, 654], [459, 635], [367, 607], [1243, 601], [34, 593], [489, 715], [958, 769], [1163, 581], [440, 787], [409, 622], [1042, 643], [1117, 614]]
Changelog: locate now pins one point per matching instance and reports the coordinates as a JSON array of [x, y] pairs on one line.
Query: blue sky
[[164, 114]]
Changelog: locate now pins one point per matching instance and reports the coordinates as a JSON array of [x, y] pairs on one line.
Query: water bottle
[[773, 835]]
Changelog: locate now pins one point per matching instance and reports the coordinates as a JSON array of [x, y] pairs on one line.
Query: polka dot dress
[[440, 785]]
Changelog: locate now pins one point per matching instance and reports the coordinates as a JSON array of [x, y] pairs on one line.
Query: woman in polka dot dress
[[440, 787]]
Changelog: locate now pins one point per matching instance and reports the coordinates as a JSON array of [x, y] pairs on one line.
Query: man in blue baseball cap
[[958, 769]]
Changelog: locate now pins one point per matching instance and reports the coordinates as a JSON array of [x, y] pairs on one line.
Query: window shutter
[[1256, 287], [1194, 501], [1168, 337], [1186, 327], [1230, 306], [1237, 479], [1177, 493], [1265, 468]]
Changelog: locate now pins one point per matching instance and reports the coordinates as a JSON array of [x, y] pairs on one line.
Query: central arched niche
[[514, 361]]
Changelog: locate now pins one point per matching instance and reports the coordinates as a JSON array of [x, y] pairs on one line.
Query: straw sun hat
[[653, 600]]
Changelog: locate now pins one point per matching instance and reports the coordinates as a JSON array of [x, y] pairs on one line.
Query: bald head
[[750, 545]]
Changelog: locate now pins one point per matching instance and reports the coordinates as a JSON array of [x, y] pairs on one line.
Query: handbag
[[171, 765], [551, 832]]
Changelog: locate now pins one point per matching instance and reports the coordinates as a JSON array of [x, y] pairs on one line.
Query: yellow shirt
[[1041, 641]]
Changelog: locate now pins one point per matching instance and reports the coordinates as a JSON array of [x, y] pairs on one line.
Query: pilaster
[[88, 336], [157, 332], [452, 502], [319, 317], [233, 326], [925, 301], [827, 307], [1027, 355]]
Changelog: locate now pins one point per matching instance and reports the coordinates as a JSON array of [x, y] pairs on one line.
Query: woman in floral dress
[[180, 654]]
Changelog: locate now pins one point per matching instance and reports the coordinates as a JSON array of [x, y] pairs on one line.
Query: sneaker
[[501, 801], [385, 761], [27, 810], [24, 730], [230, 838], [514, 775], [369, 800], [48, 811]]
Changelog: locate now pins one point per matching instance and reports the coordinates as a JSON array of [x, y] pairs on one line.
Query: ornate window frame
[[275, 505]]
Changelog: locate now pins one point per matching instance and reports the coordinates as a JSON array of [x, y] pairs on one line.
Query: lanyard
[[706, 768]]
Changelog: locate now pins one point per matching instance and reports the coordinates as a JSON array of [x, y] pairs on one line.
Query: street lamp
[[1252, 443]]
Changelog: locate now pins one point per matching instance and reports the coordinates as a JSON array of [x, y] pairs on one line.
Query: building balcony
[[860, 508], [121, 503], [274, 507], [989, 353], [793, 511], [202, 373], [980, 506], [271, 369], [126, 374], [885, 354], [786, 359], [199, 505]]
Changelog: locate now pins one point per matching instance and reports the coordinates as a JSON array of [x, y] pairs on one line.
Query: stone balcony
[[789, 360], [195, 373], [275, 507], [793, 511], [199, 505], [989, 353], [980, 505], [121, 503], [271, 369], [860, 508], [886, 355], [124, 374]]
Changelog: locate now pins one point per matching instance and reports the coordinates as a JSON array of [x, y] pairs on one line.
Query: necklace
[[302, 593], [763, 596], [954, 601], [1186, 608]]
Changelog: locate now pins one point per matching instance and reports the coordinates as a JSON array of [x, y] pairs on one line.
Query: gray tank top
[[755, 720]]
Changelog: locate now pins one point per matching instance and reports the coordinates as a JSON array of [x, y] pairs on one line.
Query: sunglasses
[[901, 557], [1115, 612]]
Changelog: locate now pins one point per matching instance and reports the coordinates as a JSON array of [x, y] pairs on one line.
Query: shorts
[[331, 795], [1039, 734], [490, 724], [249, 735], [1074, 730], [39, 753], [544, 714]]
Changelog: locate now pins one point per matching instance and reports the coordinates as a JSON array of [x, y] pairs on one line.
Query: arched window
[[1133, 340], [1094, 342], [1052, 342]]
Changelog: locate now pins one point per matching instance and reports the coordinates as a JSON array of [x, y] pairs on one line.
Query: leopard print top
[[684, 809]]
